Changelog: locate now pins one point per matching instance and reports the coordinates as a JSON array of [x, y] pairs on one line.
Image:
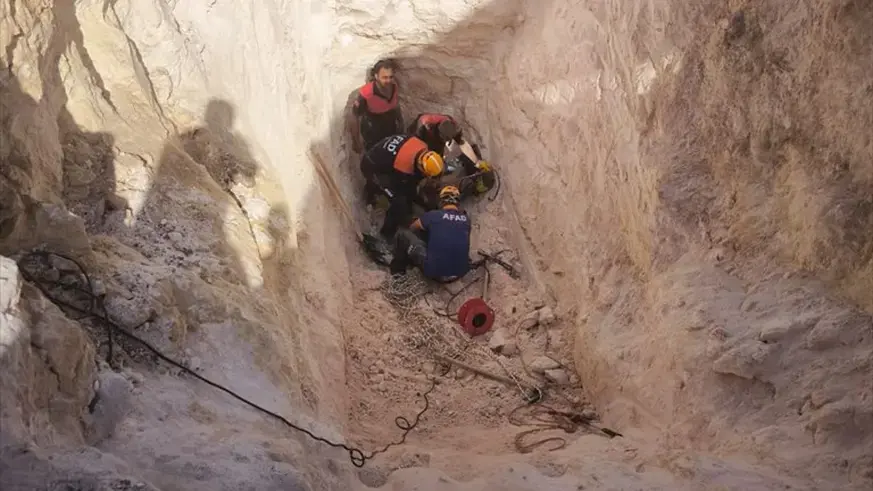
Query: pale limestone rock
[[10, 285], [744, 360], [558, 376], [111, 405], [541, 363], [546, 316], [510, 348], [498, 339], [45, 357], [530, 321]]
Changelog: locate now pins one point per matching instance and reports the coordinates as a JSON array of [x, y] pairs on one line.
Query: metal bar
[[475, 370]]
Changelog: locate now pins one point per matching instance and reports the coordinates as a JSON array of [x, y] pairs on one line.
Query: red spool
[[475, 317]]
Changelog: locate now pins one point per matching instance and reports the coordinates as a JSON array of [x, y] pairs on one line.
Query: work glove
[[483, 166], [480, 186]]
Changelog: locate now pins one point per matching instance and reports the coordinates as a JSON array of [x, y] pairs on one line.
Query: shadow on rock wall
[[89, 176], [34, 184], [191, 208], [213, 218], [191, 225], [205, 214], [49, 367]]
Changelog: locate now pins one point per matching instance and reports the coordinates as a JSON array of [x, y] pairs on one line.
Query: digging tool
[[373, 246], [581, 419], [533, 395], [513, 273]]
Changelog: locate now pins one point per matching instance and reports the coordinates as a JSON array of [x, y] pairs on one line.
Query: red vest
[[377, 104], [433, 119]]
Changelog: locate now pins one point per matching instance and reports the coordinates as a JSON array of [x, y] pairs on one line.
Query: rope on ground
[[97, 310], [404, 291], [546, 418], [426, 334], [430, 336]]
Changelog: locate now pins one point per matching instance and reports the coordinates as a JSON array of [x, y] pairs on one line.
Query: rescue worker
[[444, 253], [438, 130], [376, 110], [393, 168]]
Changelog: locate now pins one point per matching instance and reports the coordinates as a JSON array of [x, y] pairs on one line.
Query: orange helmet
[[430, 164], [450, 195]]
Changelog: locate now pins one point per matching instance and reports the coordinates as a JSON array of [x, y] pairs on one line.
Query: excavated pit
[[686, 189]]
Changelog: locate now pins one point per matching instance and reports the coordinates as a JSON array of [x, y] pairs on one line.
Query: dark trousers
[[402, 190], [409, 250], [399, 213]]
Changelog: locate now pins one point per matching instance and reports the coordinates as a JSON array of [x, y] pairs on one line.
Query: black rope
[[497, 187], [475, 265], [546, 418], [98, 311], [445, 312]]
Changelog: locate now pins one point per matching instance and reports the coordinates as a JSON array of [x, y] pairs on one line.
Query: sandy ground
[[390, 350]]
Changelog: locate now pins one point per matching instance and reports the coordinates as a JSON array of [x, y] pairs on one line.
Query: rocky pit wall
[[689, 187]]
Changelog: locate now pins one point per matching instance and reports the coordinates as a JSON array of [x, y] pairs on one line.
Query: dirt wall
[[695, 186]]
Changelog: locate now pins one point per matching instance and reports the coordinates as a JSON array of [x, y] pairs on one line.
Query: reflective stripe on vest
[[377, 104], [406, 154]]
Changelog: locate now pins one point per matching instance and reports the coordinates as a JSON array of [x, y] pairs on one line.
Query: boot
[[397, 269], [382, 203]]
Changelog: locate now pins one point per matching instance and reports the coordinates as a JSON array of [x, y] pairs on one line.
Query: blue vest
[[448, 243]]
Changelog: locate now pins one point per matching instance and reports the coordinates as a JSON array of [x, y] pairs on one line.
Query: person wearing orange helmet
[[393, 168], [444, 253]]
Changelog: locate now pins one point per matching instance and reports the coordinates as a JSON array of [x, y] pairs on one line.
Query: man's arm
[[421, 222], [359, 107], [399, 122]]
